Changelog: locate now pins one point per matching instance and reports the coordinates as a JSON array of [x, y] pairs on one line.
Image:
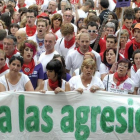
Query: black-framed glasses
[[68, 9], [58, 19], [92, 31]]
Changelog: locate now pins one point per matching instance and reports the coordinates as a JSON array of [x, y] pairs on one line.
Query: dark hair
[[128, 16], [13, 25], [107, 50], [78, 21], [134, 53], [112, 36], [113, 14], [13, 38], [104, 3], [22, 9], [124, 60], [63, 64], [136, 9], [91, 3], [11, 9], [32, 11], [93, 24], [56, 65], [15, 57], [6, 18], [3, 34]]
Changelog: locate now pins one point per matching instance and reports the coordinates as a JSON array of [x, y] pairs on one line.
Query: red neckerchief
[[135, 68], [121, 51], [4, 68], [138, 4], [53, 85], [22, 6], [136, 45], [30, 31], [114, 1], [54, 12], [54, 31], [78, 49], [1, 46], [15, 51], [39, 2], [119, 79], [28, 68], [69, 43], [130, 35]]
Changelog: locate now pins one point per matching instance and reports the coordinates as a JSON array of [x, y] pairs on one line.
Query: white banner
[[69, 116]]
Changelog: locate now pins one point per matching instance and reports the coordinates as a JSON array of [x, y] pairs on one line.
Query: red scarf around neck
[[15, 51], [21, 6], [28, 68], [54, 12], [1, 46], [69, 43], [53, 85], [138, 4], [114, 1], [135, 68], [30, 31], [54, 31], [4, 68], [78, 49], [120, 79], [130, 35], [136, 45]]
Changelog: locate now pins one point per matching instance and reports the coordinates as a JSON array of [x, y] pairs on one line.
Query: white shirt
[[3, 73], [81, 13], [44, 59], [103, 69], [124, 88]]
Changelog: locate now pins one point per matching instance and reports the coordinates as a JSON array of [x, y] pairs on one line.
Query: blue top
[[37, 74]]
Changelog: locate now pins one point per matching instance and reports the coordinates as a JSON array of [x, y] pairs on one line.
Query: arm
[[2, 88], [135, 90], [38, 84], [73, 74], [28, 86], [67, 87]]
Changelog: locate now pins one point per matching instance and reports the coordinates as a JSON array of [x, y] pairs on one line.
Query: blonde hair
[[125, 32], [3, 24], [2, 52]]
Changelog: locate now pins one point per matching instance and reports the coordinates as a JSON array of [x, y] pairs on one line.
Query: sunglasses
[[68, 9], [93, 31], [58, 19]]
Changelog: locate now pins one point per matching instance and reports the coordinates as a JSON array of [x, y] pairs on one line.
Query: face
[[20, 37], [8, 46], [21, 1], [84, 43], [30, 19], [110, 17], [88, 71], [80, 23], [137, 35], [137, 59], [1, 26], [110, 43], [57, 22], [83, 31], [67, 16], [92, 32], [28, 53], [128, 23], [49, 42], [41, 28], [13, 30], [2, 60], [63, 4], [12, 3], [137, 15], [16, 16], [15, 66], [109, 31], [68, 37], [1, 7], [122, 68], [23, 16], [123, 39], [52, 6], [51, 74], [110, 57]]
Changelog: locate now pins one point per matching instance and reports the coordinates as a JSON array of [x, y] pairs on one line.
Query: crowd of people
[[66, 45]]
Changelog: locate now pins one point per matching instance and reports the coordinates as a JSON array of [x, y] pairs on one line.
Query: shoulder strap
[[7, 83], [60, 41], [107, 82]]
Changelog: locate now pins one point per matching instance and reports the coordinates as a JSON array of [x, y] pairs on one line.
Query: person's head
[[104, 4], [1, 6], [2, 59], [67, 30], [22, 9], [123, 66], [55, 70], [116, 22], [31, 17], [21, 2], [82, 30], [2, 25], [137, 13], [49, 42], [28, 50], [15, 63], [136, 57], [111, 41], [128, 20], [16, 16], [136, 32], [112, 15], [109, 56], [89, 55], [86, 6], [92, 30], [109, 28], [12, 2], [67, 16], [20, 36], [88, 67], [42, 27], [124, 36], [9, 8], [52, 6], [63, 4], [14, 27], [3, 34], [80, 22], [56, 21], [9, 44], [91, 13], [34, 7], [84, 42]]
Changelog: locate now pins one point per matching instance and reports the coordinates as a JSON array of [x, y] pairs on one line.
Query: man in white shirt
[[45, 57]]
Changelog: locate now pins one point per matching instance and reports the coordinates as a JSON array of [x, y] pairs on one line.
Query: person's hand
[[114, 67], [80, 90], [43, 91], [58, 89], [94, 88]]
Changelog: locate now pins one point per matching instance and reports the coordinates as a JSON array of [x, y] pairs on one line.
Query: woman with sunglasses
[[119, 82], [14, 80], [56, 23]]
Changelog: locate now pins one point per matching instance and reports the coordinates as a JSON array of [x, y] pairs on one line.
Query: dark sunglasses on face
[[94, 31], [68, 9], [58, 19]]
